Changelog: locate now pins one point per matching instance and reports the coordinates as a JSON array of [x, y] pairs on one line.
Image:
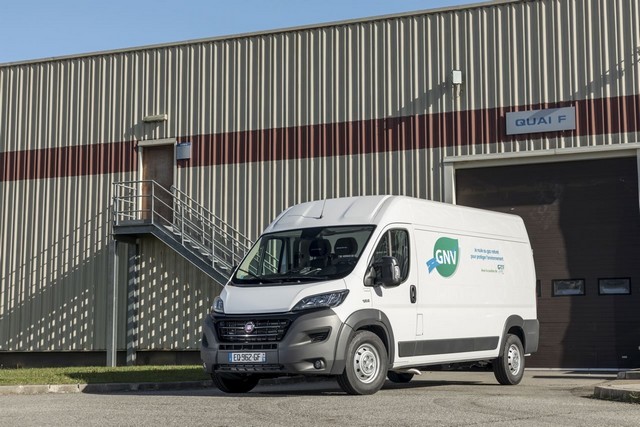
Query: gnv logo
[[445, 257]]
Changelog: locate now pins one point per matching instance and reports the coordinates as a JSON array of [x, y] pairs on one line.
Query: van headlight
[[217, 306], [330, 299]]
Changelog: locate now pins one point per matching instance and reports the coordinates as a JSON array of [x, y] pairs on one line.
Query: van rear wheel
[[366, 366], [508, 368], [235, 383]]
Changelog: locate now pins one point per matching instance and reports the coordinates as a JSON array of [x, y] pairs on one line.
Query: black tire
[[235, 383], [508, 368], [399, 377], [366, 366]]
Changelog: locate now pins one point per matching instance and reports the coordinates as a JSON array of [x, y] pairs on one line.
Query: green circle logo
[[445, 257]]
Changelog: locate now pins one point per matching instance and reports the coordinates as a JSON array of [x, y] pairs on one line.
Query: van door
[[398, 303]]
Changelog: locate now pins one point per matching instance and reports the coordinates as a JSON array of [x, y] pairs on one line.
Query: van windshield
[[304, 255]]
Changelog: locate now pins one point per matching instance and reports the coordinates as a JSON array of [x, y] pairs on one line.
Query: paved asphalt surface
[[435, 398]]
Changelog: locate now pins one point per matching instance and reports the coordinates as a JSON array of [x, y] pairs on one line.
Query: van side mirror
[[385, 272]]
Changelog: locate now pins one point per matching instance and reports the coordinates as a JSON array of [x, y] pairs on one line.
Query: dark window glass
[[395, 243], [614, 286], [568, 287]]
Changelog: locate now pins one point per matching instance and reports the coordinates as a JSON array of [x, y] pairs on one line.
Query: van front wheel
[[508, 368], [366, 367]]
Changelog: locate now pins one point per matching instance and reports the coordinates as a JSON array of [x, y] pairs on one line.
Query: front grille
[[265, 330], [247, 346]]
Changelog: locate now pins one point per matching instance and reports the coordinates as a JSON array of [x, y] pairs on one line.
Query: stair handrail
[[133, 212], [209, 212], [209, 237], [194, 223]]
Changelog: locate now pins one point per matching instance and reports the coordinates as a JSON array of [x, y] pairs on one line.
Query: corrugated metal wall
[[173, 298], [364, 107], [517, 53], [54, 264]]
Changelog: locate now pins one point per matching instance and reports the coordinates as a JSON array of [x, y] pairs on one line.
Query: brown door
[[157, 165], [583, 221]]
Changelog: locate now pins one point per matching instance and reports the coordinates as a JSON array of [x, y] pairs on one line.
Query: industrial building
[[523, 106]]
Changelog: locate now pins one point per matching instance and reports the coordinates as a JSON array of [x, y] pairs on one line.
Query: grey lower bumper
[[308, 346]]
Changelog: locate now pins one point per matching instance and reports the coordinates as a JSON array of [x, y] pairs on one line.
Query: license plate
[[247, 357]]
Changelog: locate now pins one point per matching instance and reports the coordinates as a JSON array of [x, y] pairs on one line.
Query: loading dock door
[[584, 224]]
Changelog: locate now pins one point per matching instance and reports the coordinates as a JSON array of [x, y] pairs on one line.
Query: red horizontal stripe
[[94, 159], [460, 128]]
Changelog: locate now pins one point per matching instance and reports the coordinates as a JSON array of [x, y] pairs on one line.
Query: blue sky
[[33, 29]]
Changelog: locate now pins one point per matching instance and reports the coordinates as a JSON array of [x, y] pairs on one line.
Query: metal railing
[[196, 228]]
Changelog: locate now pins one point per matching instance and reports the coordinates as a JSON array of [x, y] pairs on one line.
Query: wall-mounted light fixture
[[155, 118], [456, 80], [456, 77]]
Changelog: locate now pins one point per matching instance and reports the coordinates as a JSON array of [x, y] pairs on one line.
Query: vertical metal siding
[[511, 54], [360, 88], [54, 264], [173, 298]]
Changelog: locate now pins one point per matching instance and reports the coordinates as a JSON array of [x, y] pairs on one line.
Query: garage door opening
[[584, 225]]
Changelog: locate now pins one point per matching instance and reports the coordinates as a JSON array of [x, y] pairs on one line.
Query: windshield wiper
[[256, 277], [293, 278], [302, 277]]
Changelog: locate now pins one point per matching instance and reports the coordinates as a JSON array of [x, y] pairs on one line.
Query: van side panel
[[468, 286]]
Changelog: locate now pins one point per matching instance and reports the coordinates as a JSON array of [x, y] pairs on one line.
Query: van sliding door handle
[[412, 294]]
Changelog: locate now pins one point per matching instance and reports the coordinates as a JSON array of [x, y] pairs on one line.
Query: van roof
[[384, 210]]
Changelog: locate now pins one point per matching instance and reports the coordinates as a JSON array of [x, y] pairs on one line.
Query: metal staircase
[[146, 208]]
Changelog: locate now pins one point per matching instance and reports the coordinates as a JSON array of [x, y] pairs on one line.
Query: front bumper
[[308, 346]]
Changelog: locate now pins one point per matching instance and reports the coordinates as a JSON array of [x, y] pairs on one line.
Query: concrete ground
[[624, 387], [451, 398]]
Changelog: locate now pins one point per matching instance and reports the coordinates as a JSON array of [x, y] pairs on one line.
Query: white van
[[365, 288]]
